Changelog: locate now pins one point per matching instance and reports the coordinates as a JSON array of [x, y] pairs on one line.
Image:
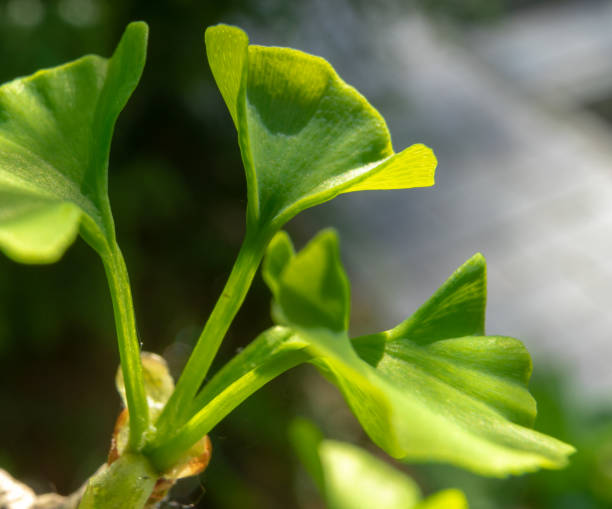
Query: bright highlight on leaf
[[432, 389], [55, 133], [351, 478], [305, 135]]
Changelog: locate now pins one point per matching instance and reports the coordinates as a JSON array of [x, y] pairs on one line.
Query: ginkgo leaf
[[432, 389], [312, 286], [305, 135], [445, 337], [55, 132], [349, 477]]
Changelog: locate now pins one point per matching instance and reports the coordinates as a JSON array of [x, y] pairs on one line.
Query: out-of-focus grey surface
[[525, 170]]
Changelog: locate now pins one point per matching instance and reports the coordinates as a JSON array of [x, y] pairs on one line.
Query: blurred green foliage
[[585, 484]]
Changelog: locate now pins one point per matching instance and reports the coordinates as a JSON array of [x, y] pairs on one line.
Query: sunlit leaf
[[351, 478], [305, 135], [55, 132], [433, 388]]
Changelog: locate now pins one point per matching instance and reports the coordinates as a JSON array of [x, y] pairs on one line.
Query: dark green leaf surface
[[55, 133], [305, 135], [351, 478], [433, 388]]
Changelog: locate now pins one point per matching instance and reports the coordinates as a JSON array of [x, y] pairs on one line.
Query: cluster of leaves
[[433, 388]]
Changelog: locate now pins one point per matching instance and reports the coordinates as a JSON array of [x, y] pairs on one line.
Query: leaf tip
[[279, 253], [136, 35], [478, 258], [139, 28], [217, 34], [329, 237]]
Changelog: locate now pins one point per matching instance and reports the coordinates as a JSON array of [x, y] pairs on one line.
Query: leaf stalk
[[168, 453], [129, 346], [177, 409]]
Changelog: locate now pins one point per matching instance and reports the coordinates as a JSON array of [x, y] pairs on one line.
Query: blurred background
[[515, 97]]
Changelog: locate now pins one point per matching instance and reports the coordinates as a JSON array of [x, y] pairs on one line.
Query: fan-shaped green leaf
[[436, 395], [55, 133], [305, 135], [444, 338]]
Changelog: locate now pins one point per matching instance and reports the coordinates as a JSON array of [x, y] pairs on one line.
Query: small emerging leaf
[[158, 382], [313, 290], [305, 135], [55, 133], [433, 388], [159, 385], [351, 478]]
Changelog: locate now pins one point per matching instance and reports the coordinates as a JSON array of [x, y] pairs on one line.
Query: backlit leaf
[[305, 135], [432, 389], [55, 132]]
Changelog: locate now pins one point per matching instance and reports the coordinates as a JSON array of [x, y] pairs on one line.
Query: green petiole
[[129, 347], [268, 356], [176, 411]]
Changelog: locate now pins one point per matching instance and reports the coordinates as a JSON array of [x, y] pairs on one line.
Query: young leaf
[[351, 478], [158, 383], [305, 135], [55, 133], [423, 391], [313, 288]]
